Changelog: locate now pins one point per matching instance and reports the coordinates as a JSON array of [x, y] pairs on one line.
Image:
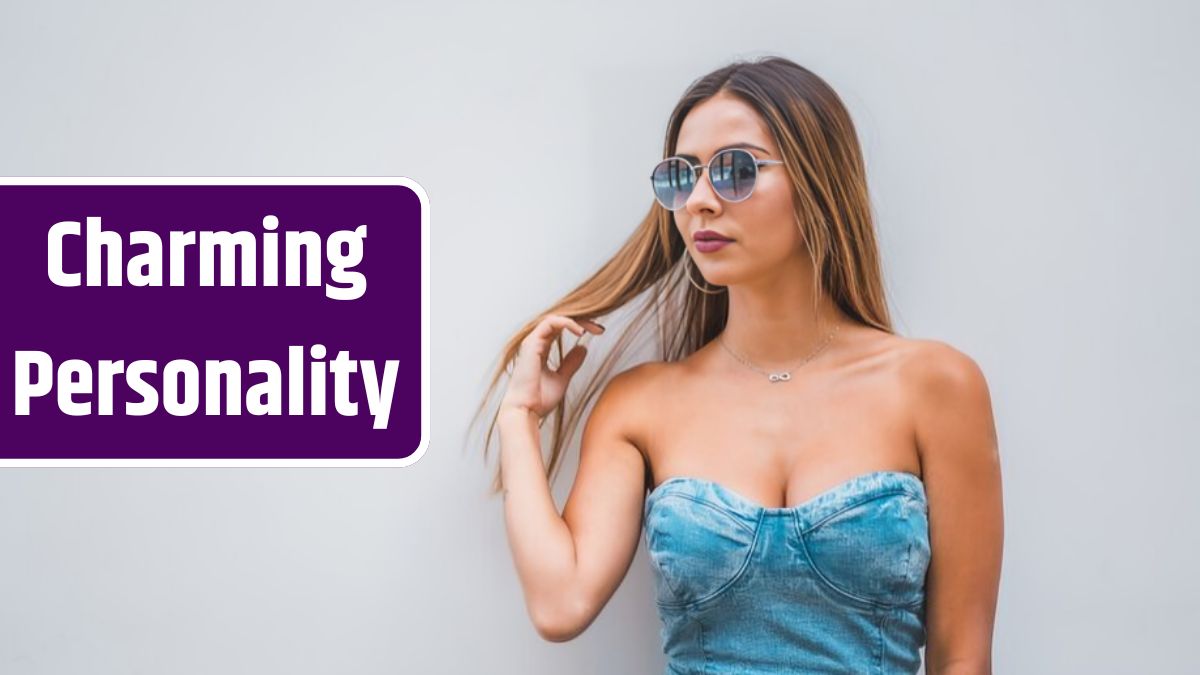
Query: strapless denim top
[[833, 585]]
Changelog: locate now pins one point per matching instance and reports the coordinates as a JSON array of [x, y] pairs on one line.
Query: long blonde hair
[[821, 153]]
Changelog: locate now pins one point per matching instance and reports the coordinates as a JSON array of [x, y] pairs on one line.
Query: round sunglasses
[[732, 174]]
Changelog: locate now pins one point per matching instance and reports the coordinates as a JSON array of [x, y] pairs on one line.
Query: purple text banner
[[236, 321]]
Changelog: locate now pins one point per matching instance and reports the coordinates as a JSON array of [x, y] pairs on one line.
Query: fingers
[[571, 362], [593, 326], [538, 341], [552, 323]]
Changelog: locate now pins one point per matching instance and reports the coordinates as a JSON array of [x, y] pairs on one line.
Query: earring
[[687, 269]]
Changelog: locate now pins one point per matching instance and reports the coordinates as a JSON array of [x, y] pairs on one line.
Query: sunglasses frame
[[706, 170]]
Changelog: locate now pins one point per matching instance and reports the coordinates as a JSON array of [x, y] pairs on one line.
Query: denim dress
[[833, 585]]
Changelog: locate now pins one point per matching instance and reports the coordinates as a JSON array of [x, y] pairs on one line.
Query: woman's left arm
[[960, 466]]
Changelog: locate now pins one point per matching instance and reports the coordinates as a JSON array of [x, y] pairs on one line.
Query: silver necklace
[[785, 375]]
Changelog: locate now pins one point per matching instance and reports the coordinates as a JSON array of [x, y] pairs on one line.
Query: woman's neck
[[775, 324]]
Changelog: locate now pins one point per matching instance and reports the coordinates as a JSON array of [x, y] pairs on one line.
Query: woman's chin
[[722, 280]]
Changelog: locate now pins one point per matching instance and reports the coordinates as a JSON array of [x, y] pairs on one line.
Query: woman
[[818, 493]]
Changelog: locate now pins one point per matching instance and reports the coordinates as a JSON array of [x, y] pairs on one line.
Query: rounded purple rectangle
[[381, 320]]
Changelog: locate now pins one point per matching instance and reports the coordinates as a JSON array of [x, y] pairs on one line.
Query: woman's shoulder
[[635, 383], [908, 355], [937, 376], [916, 365], [627, 400], [925, 360], [635, 393]]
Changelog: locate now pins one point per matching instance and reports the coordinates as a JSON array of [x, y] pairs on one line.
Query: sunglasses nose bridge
[[703, 178]]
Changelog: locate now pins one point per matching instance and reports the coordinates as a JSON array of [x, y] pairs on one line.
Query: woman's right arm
[[569, 565]]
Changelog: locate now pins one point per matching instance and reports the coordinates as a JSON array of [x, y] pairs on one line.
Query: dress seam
[[882, 624]]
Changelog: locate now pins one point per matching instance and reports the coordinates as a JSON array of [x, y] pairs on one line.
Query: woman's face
[[763, 226]]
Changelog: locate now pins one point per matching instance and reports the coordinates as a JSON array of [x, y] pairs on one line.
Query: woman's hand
[[535, 387]]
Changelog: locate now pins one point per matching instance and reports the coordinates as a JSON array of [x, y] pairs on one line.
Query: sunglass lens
[[733, 174], [673, 181]]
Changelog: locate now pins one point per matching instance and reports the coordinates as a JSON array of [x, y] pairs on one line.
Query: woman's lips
[[710, 245]]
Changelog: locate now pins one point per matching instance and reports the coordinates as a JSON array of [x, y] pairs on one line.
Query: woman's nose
[[703, 199]]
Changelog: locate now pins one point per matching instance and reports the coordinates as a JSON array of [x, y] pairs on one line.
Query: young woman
[[818, 493]]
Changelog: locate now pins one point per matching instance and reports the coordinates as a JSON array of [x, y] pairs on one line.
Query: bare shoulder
[[947, 393], [627, 395], [934, 371], [630, 385]]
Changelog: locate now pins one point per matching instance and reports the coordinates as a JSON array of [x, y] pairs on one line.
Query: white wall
[[1034, 172]]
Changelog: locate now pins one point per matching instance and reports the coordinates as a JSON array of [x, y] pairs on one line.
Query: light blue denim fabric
[[833, 585]]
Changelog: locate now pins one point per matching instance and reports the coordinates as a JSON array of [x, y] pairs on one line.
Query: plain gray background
[[1033, 168]]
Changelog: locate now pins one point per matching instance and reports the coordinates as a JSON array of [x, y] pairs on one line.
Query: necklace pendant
[[779, 377]]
